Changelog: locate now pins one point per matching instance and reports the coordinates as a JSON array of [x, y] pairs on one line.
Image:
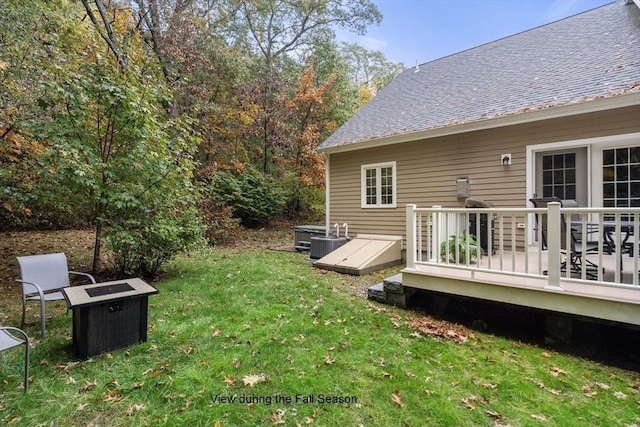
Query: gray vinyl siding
[[427, 170]]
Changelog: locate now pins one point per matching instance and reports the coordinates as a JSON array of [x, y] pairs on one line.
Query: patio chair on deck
[[542, 220], [8, 339], [42, 278], [580, 245], [575, 256]]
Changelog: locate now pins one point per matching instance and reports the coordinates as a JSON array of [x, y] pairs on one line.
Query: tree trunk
[[96, 249]]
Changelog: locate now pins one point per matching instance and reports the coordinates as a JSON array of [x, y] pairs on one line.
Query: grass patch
[[257, 337]]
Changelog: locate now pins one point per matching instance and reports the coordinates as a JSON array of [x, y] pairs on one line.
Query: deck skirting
[[571, 299]]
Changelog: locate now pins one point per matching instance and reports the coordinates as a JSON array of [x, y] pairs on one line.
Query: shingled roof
[[592, 55]]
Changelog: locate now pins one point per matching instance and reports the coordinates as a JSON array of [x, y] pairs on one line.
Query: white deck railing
[[510, 248]]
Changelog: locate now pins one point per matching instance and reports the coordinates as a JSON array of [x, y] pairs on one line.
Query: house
[[552, 111]]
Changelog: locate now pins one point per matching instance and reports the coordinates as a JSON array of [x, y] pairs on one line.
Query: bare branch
[[105, 30]]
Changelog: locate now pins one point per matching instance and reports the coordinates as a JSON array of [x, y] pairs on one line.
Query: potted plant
[[462, 242]]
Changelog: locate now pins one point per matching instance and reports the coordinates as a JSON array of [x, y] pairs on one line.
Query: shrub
[[253, 199], [220, 225], [142, 244], [303, 202]]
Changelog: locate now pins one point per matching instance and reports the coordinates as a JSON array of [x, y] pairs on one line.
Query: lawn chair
[[42, 278], [9, 340]]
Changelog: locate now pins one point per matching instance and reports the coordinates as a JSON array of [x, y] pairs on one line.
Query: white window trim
[[363, 184]]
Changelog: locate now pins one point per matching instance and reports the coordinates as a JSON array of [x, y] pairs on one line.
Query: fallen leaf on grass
[[134, 408], [88, 386], [554, 391], [66, 366], [387, 375], [555, 371], [112, 395], [469, 402], [395, 397], [620, 395], [538, 417], [410, 374], [494, 415], [276, 417], [230, 380], [586, 389], [252, 379], [550, 390], [81, 406], [395, 321]]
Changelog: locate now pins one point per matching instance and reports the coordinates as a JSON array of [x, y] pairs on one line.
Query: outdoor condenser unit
[[322, 245]]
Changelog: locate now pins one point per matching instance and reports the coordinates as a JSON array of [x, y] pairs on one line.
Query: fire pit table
[[108, 316]]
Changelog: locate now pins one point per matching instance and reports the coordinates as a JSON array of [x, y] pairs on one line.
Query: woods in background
[[157, 122]]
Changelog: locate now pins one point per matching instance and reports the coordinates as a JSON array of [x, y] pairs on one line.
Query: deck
[[532, 278]]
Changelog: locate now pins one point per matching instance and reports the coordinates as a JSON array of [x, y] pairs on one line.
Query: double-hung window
[[379, 185]]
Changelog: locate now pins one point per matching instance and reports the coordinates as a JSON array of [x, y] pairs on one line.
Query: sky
[[419, 31]]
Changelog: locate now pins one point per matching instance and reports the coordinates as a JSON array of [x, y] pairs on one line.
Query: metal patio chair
[[43, 277], [8, 339], [541, 222], [580, 245]]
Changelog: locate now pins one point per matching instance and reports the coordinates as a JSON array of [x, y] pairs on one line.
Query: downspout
[[327, 188]]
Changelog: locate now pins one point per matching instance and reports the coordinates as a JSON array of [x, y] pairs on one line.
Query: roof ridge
[[521, 32], [591, 55]]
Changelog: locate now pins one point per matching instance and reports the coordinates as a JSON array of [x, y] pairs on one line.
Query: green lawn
[[259, 337]]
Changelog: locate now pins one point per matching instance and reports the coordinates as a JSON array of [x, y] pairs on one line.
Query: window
[[621, 177], [379, 185], [559, 175]]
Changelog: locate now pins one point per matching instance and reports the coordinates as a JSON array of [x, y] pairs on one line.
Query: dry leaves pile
[[428, 326]]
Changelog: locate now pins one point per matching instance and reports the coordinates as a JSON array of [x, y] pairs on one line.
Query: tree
[[310, 121], [25, 53], [279, 29], [114, 154], [369, 70]]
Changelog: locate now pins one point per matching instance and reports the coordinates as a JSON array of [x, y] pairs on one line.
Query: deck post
[[437, 227], [411, 236], [553, 245]]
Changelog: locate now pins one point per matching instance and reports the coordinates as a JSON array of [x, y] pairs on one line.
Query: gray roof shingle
[[591, 55]]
